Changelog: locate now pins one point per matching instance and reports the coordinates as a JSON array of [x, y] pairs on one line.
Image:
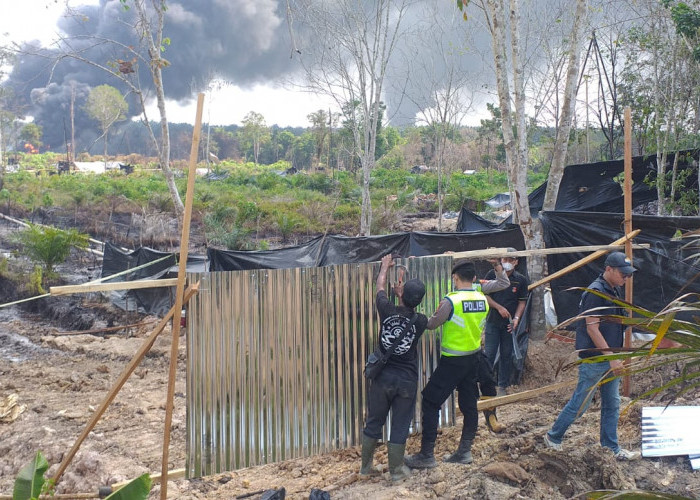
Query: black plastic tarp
[[664, 271], [596, 187], [156, 301], [305, 255], [498, 201], [468, 221], [342, 250]]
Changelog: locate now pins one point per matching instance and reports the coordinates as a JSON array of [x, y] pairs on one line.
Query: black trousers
[[453, 372], [487, 382], [391, 391]]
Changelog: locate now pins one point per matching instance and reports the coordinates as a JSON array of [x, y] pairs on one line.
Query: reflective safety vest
[[461, 335]]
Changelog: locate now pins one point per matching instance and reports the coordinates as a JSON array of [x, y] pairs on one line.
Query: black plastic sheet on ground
[[664, 269]]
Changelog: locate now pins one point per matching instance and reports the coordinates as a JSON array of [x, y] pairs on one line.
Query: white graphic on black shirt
[[392, 328]]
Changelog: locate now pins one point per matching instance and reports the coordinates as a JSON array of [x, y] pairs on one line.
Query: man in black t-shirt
[[396, 386], [506, 309]]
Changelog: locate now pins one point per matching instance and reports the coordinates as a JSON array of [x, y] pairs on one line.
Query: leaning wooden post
[[121, 380], [180, 288], [627, 186], [583, 261]]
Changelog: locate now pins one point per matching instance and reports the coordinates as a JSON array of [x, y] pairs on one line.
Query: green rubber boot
[[368, 446], [397, 468]]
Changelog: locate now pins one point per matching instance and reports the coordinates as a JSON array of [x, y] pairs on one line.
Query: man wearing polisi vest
[[462, 314], [594, 337]]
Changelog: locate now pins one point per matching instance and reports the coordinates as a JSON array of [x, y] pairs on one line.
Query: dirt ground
[[60, 380]]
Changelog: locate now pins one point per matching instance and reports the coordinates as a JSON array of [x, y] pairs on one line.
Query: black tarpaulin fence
[[665, 270], [148, 300], [345, 250]]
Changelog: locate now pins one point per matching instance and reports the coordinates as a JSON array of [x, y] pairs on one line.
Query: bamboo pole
[[582, 262], [494, 402], [109, 329], [627, 186], [106, 287], [184, 243], [155, 478], [492, 253], [145, 347]]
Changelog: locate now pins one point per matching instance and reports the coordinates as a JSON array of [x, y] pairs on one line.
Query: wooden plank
[[494, 402], [105, 287], [179, 290], [121, 380], [582, 262]]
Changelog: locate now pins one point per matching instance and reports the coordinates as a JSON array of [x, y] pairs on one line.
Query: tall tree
[[319, 127], [31, 133], [561, 144], [353, 67], [254, 133], [146, 20], [503, 20], [108, 106]]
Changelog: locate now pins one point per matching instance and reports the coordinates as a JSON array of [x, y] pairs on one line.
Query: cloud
[[240, 41]]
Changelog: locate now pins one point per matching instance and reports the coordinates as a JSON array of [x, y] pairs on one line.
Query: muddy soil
[[62, 379]]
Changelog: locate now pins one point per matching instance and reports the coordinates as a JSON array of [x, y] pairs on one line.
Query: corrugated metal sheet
[[275, 358]]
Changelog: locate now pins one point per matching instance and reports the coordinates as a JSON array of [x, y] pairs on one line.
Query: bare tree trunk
[[352, 69], [662, 138], [156, 66], [561, 144]]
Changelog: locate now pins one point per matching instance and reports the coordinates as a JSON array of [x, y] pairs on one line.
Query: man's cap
[[620, 261], [460, 263], [413, 292]]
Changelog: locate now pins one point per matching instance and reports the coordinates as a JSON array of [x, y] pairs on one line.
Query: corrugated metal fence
[[275, 358]]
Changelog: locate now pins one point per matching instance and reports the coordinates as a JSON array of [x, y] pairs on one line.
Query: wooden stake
[[184, 244], [583, 262], [627, 187], [145, 347]]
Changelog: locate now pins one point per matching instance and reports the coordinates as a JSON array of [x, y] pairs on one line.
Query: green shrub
[[50, 246], [287, 223]]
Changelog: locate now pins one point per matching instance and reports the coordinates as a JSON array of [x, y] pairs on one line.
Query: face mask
[[507, 266]]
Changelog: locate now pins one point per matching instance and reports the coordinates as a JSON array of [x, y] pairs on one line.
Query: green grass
[[261, 199]]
